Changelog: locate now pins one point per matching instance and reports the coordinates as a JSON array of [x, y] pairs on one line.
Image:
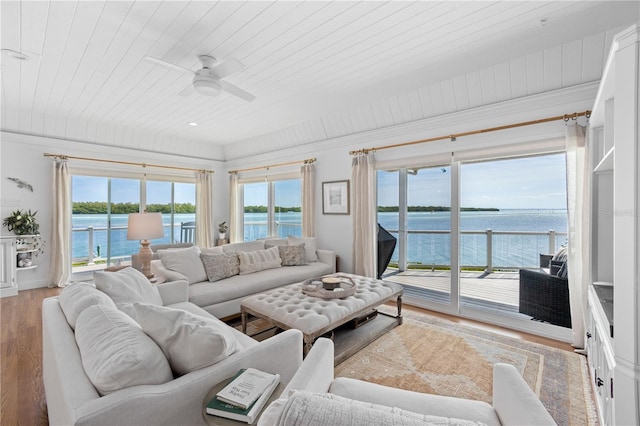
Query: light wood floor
[[23, 399]]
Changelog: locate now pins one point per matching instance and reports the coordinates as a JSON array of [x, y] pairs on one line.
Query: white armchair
[[514, 403]]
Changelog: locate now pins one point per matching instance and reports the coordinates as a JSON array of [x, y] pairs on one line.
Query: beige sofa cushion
[[75, 298], [185, 261], [127, 285], [188, 341], [116, 353], [259, 260]]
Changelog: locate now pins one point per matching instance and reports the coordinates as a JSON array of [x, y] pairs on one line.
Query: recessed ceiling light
[[193, 123], [15, 55]]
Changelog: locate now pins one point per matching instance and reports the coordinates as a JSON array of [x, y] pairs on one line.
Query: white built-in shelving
[[612, 329]]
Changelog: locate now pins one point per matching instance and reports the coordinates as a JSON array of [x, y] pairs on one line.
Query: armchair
[[545, 297], [514, 403]]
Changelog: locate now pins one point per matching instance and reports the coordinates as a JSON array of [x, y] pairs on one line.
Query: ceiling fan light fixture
[[206, 85]]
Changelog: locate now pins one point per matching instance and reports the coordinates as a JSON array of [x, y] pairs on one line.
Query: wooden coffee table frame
[[310, 338]]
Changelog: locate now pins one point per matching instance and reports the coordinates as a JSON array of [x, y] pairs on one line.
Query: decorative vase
[[222, 235]]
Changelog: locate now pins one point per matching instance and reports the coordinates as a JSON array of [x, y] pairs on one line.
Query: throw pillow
[[561, 254], [254, 261], [293, 255], [116, 353], [562, 272], [126, 286], [188, 341], [248, 246], [185, 261], [75, 298], [270, 242], [309, 246], [211, 250], [219, 266]]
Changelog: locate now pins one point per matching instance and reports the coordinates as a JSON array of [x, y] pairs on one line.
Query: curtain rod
[[128, 163], [453, 137], [307, 161]]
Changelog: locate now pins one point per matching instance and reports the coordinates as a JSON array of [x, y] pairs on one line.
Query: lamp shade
[[145, 226]]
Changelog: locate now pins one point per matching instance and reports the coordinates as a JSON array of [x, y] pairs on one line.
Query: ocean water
[[255, 227], [424, 248], [507, 250]]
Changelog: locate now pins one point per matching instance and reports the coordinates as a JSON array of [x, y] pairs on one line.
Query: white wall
[[22, 157]]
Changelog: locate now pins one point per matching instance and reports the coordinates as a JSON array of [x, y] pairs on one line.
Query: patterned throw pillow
[[293, 255], [219, 266], [254, 261]]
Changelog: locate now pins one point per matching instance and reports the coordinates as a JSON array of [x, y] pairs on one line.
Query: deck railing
[[499, 250]]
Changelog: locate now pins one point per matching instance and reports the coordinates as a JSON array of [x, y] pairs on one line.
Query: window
[[466, 228], [272, 209], [101, 206]]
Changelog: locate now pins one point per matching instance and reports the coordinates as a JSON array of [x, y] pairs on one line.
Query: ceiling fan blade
[[187, 91], [168, 64], [228, 67], [236, 91]]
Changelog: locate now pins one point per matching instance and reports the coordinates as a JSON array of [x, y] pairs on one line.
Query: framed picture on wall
[[335, 197]]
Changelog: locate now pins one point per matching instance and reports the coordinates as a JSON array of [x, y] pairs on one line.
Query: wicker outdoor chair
[[545, 297]]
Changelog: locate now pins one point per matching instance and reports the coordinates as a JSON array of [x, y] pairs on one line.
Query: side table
[[221, 421]]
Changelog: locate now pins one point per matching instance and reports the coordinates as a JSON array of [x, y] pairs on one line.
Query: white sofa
[[72, 398], [222, 298], [514, 403]]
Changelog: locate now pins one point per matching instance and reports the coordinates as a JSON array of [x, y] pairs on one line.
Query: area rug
[[431, 355]]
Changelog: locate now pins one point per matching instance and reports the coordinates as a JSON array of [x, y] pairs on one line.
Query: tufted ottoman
[[288, 307]]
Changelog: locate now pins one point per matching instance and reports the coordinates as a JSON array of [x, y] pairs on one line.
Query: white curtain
[[204, 210], [235, 235], [61, 226], [578, 202], [308, 195], [364, 215]]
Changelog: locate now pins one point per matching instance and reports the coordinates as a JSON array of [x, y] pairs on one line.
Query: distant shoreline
[[394, 209]]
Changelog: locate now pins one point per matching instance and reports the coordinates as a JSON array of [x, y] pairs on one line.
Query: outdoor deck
[[497, 290]]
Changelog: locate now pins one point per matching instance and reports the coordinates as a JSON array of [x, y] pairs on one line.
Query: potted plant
[[22, 223], [222, 230]]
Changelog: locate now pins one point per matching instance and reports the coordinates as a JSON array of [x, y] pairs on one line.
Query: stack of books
[[245, 396]]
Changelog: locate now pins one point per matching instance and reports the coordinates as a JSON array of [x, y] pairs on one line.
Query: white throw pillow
[[185, 261], [75, 298], [127, 285], [254, 261], [211, 250], [310, 246], [116, 353], [247, 246], [188, 341]]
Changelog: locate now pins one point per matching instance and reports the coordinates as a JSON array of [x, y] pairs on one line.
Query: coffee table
[[288, 307]]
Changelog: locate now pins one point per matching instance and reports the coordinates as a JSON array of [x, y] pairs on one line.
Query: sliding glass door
[[465, 229]]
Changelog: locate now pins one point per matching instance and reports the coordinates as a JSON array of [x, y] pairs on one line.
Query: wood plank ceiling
[[318, 69]]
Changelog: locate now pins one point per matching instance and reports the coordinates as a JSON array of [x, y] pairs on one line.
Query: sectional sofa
[[219, 278], [153, 365]]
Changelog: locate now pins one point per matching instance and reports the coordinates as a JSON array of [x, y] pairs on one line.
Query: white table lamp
[[145, 227]]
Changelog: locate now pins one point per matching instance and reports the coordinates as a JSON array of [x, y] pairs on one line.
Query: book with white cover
[[245, 389], [222, 409]]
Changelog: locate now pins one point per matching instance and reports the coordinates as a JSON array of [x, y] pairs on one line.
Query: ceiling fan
[[208, 80]]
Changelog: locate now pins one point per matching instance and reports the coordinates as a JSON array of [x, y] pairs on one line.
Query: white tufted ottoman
[[288, 307]]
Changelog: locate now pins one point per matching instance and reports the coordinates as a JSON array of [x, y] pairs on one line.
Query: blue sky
[[531, 182], [90, 188]]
